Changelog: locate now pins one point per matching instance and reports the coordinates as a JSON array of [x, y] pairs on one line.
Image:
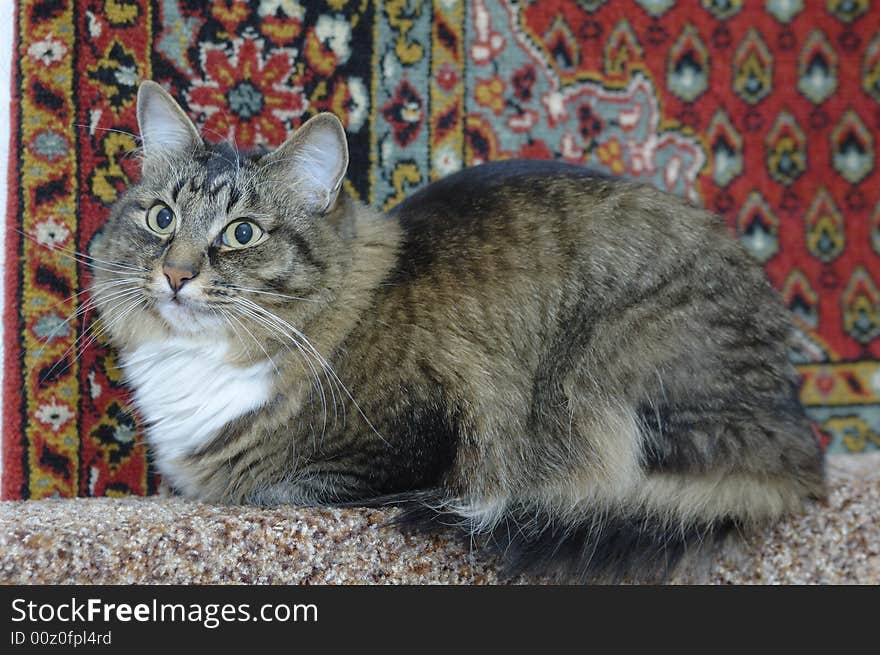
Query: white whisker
[[324, 363], [270, 293], [83, 258], [316, 382], [87, 306], [89, 335]]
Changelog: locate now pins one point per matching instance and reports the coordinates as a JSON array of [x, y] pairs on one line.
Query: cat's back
[[541, 220], [467, 192], [483, 219]]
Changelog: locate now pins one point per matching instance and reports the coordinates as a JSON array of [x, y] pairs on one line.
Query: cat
[[587, 375]]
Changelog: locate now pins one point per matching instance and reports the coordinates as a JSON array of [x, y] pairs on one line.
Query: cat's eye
[[241, 234], [160, 219]]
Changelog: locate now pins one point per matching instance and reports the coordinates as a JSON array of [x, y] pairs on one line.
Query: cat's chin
[[186, 318]]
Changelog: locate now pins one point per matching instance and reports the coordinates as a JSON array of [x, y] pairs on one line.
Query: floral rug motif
[[766, 113]]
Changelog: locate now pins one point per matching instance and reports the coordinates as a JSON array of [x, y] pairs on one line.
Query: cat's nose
[[178, 276]]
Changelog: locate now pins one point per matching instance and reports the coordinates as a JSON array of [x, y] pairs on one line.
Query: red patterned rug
[[767, 113]]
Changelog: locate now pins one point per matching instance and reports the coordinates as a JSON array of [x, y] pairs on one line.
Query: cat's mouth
[[186, 315]]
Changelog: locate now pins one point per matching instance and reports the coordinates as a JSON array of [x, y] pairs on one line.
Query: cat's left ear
[[163, 125], [314, 161]]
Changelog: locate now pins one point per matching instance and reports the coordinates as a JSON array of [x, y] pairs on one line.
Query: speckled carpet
[[170, 540]]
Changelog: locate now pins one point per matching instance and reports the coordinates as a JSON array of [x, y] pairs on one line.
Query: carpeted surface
[[169, 540], [766, 112]]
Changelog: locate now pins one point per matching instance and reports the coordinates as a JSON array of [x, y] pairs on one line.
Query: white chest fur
[[187, 391]]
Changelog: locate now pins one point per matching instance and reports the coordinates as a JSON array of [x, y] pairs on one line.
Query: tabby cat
[[585, 374]]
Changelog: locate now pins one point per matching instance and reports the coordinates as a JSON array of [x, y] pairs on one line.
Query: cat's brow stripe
[[177, 187], [234, 197], [217, 188]]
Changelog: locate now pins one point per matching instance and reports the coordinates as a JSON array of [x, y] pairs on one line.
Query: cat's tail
[[577, 547], [666, 528]]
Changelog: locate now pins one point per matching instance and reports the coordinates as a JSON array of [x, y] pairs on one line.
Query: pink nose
[[177, 276]]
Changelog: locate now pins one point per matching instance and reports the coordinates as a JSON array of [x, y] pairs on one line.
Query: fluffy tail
[[602, 547]]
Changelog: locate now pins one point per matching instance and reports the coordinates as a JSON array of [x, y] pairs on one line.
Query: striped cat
[[585, 374]]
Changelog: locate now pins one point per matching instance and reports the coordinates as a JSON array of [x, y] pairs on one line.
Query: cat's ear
[[314, 161], [163, 125]]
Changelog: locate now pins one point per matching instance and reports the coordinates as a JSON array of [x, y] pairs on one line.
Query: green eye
[[160, 219], [242, 234]]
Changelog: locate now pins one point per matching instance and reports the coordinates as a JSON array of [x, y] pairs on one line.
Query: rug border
[[12, 483]]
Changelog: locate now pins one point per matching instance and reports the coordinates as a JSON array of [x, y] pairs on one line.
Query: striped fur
[[587, 375]]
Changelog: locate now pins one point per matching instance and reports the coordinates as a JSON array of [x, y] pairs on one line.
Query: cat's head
[[208, 232]]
